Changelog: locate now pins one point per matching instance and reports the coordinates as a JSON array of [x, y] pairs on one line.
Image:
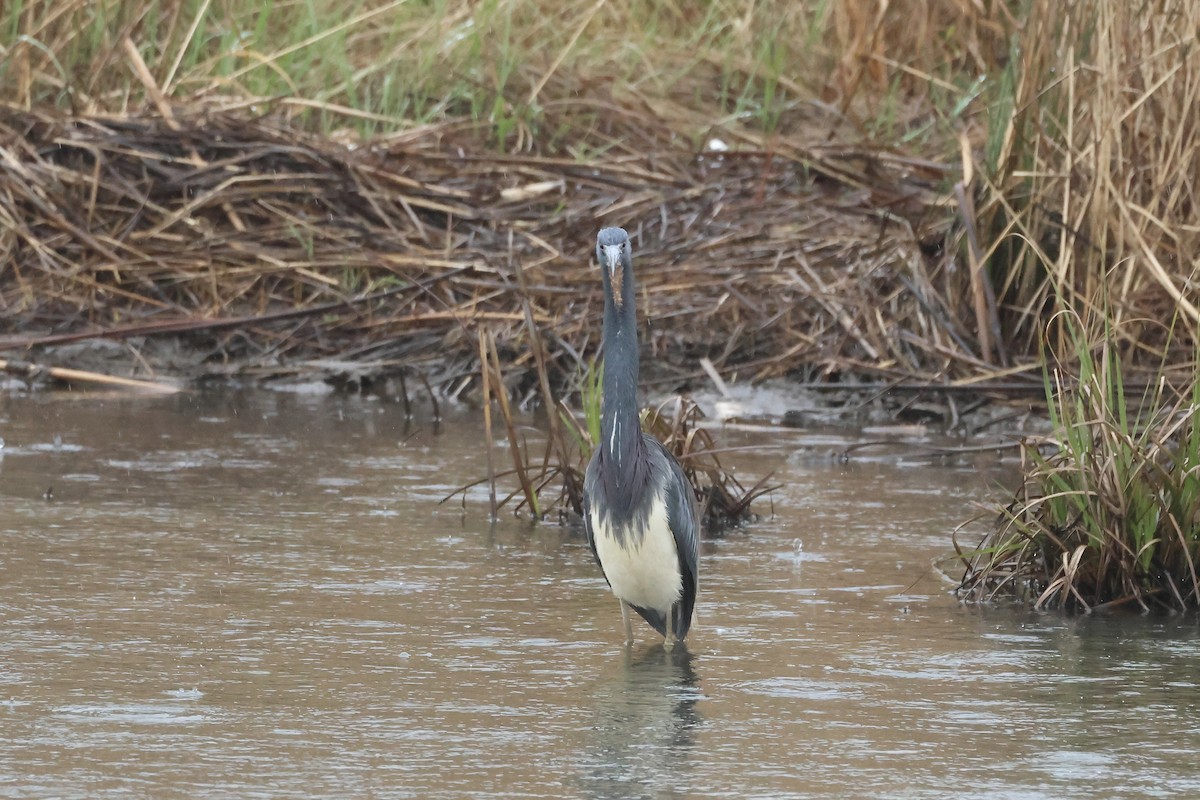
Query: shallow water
[[257, 595]]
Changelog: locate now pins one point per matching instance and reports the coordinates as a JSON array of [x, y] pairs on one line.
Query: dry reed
[[1092, 186], [1091, 182]]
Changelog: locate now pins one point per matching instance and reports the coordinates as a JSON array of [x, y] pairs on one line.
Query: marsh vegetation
[[921, 193]]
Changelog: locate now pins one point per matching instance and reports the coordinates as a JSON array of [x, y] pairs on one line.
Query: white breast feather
[[646, 571]]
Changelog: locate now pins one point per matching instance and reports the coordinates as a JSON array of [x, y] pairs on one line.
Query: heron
[[638, 506]]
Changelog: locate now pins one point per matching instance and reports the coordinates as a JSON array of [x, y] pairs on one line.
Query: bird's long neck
[[620, 429]]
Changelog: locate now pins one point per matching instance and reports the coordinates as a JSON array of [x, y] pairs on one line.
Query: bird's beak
[[612, 262]]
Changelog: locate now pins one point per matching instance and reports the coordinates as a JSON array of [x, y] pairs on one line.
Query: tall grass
[[1091, 172], [1089, 189], [380, 65]]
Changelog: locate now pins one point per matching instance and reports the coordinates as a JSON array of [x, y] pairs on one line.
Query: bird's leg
[[628, 624], [669, 642]]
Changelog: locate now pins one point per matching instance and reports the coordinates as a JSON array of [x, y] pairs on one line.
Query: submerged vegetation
[[913, 191]]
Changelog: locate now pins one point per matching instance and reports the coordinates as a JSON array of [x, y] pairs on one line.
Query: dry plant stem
[[147, 80], [486, 385], [520, 464], [1092, 199], [724, 500], [556, 438], [27, 370]]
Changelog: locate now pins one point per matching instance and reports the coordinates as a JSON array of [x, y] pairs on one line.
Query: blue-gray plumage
[[638, 506]]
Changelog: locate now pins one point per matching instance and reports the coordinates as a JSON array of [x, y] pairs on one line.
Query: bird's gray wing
[[683, 518], [685, 528]]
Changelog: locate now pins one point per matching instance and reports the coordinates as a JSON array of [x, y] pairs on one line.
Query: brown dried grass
[[1091, 186], [270, 246]]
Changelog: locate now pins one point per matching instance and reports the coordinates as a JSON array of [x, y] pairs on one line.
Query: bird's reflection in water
[[641, 740]]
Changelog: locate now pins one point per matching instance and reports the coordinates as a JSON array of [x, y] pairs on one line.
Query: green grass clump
[[1111, 517]]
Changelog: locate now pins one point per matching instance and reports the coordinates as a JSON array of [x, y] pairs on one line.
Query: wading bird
[[638, 507]]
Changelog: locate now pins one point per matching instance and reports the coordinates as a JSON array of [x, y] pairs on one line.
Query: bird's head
[[612, 251]]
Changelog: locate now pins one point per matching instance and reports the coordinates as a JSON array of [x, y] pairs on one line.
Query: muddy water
[[241, 595]]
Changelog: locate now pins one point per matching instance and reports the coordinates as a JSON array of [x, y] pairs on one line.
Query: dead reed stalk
[[723, 500], [1091, 182]]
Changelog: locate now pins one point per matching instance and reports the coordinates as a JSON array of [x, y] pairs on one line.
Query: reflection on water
[[257, 594], [642, 739]]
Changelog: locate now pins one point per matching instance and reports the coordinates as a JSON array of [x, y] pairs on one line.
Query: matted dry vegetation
[[393, 252]]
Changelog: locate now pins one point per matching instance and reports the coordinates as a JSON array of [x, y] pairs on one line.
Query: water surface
[[256, 594]]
